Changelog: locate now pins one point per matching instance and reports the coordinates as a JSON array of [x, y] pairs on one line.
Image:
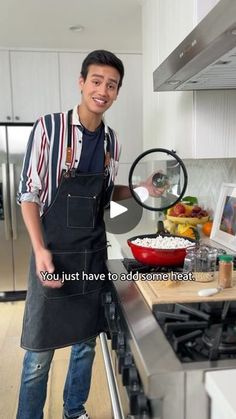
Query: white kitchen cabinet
[[215, 124], [175, 19], [5, 88], [69, 67], [29, 83], [125, 115], [175, 123], [35, 84], [203, 7], [199, 124], [220, 386], [214, 127]]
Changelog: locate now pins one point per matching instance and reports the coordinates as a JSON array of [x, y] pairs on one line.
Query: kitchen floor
[[11, 356]]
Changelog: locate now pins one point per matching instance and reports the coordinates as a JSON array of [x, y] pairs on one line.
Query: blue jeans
[[34, 379]]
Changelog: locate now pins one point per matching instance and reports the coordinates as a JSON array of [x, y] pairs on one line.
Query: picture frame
[[224, 224]]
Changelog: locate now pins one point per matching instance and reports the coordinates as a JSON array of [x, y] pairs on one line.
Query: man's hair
[[102, 57]]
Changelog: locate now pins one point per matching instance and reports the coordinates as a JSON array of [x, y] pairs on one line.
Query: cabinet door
[[215, 130], [35, 84], [70, 66], [5, 88]]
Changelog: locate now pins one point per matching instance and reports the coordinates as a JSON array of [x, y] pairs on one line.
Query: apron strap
[[69, 137]]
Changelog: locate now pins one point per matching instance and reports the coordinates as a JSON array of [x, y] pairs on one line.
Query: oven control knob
[[130, 378], [112, 311], [107, 298], [125, 361], [139, 406], [118, 341]]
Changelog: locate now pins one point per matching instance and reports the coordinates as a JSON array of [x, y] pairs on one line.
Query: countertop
[[180, 291]]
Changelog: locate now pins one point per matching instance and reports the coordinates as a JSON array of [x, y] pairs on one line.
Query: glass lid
[[158, 179]]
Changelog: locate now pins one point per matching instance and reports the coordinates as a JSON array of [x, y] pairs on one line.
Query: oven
[[159, 357], [127, 395]]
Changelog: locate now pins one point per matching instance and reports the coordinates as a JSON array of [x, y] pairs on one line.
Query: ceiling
[[108, 24]]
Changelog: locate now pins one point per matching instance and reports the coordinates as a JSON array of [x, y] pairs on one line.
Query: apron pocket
[[95, 270], [69, 266], [81, 211], [81, 272]]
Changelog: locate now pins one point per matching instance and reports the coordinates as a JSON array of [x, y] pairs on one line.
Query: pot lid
[[158, 179]]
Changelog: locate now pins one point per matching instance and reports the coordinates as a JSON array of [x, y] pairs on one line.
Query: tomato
[[207, 227], [178, 209]]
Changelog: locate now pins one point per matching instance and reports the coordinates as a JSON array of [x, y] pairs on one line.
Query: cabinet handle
[[17, 118], [13, 200], [8, 118]]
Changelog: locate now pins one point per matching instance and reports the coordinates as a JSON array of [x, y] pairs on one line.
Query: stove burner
[[228, 338], [199, 331], [132, 265]]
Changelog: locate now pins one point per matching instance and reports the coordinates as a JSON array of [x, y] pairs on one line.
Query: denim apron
[[74, 232]]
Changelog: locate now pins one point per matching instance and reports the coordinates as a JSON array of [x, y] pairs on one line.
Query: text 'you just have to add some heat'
[[112, 276]]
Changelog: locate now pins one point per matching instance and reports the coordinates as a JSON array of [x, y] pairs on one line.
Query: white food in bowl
[[160, 242]]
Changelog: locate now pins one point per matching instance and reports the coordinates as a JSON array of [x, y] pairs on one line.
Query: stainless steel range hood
[[206, 59]]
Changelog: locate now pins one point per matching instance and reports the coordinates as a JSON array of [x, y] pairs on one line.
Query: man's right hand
[[43, 260]]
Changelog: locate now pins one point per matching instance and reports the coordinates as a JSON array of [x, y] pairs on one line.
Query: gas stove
[[196, 331], [173, 345], [199, 331]]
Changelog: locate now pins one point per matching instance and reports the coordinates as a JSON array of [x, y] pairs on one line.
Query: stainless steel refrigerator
[[14, 242]]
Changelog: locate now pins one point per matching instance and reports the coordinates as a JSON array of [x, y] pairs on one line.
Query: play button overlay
[[116, 209], [122, 217]]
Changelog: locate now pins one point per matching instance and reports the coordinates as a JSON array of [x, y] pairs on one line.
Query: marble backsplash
[[205, 177]]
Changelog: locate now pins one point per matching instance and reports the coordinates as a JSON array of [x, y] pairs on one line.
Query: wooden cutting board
[[176, 291]]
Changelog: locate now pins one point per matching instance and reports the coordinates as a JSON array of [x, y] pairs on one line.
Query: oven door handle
[[111, 380]]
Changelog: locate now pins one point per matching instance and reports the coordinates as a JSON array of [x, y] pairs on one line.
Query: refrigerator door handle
[[7, 223], [13, 201]]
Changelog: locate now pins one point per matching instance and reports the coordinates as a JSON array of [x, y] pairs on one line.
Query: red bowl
[[162, 257]]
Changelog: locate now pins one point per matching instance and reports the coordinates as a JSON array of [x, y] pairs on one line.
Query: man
[[67, 179]]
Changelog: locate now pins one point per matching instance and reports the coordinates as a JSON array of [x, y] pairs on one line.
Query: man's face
[[100, 88]]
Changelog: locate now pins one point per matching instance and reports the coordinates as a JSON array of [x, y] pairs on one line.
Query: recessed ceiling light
[[76, 28], [173, 82]]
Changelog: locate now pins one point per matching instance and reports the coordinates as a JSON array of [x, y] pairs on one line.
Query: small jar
[[211, 262], [189, 261], [225, 271]]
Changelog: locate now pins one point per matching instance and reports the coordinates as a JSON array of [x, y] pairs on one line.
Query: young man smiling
[[67, 179]]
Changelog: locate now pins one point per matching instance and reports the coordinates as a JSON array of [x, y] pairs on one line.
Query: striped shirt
[[45, 157]]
